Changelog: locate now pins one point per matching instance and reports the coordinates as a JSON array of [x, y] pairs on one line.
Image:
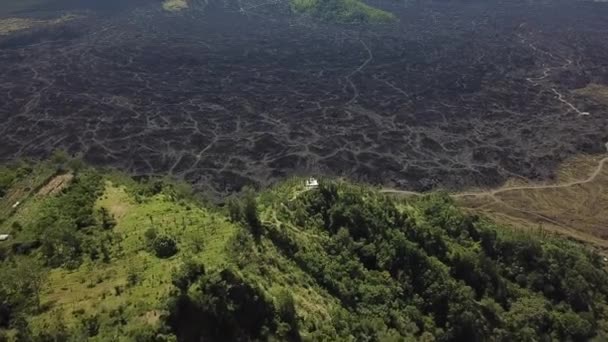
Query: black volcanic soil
[[456, 94]]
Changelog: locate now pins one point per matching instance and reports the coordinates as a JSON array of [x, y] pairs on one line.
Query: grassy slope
[[24, 192], [91, 289], [313, 302], [24, 189], [203, 234], [576, 211]]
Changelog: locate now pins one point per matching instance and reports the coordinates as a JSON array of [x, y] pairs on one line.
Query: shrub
[[164, 246], [107, 220], [225, 307], [235, 211], [250, 213], [90, 325], [150, 235], [132, 277], [189, 272]]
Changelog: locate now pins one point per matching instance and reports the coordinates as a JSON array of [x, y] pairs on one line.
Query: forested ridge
[[107, 257]]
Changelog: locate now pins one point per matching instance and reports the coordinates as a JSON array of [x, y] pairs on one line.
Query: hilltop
[[97, 255], [343, 11]]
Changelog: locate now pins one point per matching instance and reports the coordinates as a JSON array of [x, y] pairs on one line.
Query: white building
[[311, 183], [4, 237]]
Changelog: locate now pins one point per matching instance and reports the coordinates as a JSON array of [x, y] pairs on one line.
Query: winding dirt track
[[565, 228], [494, 192]]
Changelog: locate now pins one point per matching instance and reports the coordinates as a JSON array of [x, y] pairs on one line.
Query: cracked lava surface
[[454, 95]]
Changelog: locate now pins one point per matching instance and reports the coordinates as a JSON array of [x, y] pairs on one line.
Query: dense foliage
[[223, 307], [67, 224], [22, 280], [335, 263], [424, 270], [244, 211], [65, 229], [419, 270], [11, 173], [164, 246]]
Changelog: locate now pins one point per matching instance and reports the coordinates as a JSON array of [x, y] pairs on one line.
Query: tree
[[164, 246], [107, 220], [90, 325], [225, 307], [62, 245], [6, 180], [250, 213], [20, 288], [235, 210], [187, 274], [286, 309], [571, 326], [150, 235], [132, 276], [59, 157], [528, 318], [30, 275], [11, 173]]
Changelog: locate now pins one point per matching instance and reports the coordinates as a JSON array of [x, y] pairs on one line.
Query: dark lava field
[[455, 94]]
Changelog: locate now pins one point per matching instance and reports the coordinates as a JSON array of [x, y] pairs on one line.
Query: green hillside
[[342, 11], [96, 255]]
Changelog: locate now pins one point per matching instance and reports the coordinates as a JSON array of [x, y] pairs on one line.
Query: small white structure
[[4, 237], [16, 204], [311, 183]]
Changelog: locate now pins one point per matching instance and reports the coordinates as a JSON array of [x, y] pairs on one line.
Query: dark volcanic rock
[[454, 95]]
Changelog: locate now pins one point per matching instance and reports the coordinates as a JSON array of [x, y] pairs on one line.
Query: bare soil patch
[[575, 208], [55, 185]]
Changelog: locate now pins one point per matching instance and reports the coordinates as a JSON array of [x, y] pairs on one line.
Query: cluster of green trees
[[64, 229], [223, 306], [22, 281], [68, 226], [9, 174], [417, 270], [425, 269], [394, 270], [162, 245], [244, 211]]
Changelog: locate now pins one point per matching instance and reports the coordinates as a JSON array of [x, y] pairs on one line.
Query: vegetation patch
[[597, 92], [145, 259], [175, 5], [343, 11], [10, 25], [89, 242]]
